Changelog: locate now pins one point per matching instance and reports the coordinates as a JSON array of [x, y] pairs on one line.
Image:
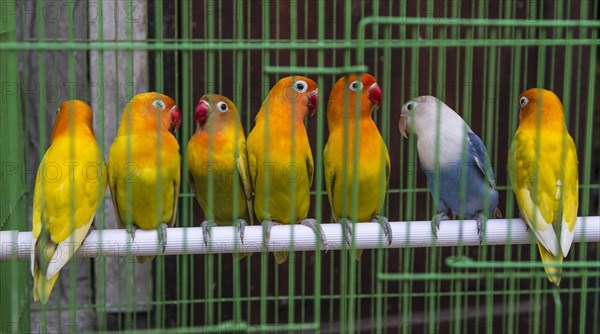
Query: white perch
[[367, 235]]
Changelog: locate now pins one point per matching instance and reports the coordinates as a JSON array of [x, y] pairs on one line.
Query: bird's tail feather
[[42, 287], [356, 254], [280, 257], [554, 272], [143, 259], [241, 256]]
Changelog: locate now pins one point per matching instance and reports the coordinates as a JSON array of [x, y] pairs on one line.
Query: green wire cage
[[476, 56]]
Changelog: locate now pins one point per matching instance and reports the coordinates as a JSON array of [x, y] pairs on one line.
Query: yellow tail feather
[[241, 256], [41, 287], [357, 254], [143, 259], [553, 272], [280, 257]]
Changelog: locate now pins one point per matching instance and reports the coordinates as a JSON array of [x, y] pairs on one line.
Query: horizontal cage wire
[[265, 159]]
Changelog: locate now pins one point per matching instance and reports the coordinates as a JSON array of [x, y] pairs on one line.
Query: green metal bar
[[283, 45], [315, 70]]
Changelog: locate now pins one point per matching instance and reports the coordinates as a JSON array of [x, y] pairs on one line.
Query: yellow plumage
[[217, 151], [70, 183], [282, 174], [373, 168], [543, 169], [144, 164]]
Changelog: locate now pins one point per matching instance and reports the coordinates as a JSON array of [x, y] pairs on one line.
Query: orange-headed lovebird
[[279, 157], [543, 168], [352, 94], [144, 165], [70, 184], [218, 150]]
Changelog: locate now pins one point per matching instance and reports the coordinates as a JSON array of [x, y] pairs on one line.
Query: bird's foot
[[385, 225], [162, 235], [206, 226], [312, 223], [241, 225], [132, 231], [346, 229], [435, 222], [497, 213], [481, 220], [267, 225]]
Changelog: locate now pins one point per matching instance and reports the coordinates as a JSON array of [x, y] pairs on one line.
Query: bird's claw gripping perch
[[241, 228], [162, 236], [267, 225], [481, 220], [313, 225], [385, 225], [436, 221], [206, 226], [346, 230]]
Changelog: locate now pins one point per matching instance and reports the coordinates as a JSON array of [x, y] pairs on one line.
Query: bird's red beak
[[175, 114], [375, 94], [201, 112], [313, 101]]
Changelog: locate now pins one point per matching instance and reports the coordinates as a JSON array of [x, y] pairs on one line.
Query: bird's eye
[[222, 107], [357, 86], [523, 101], [57, 110], [410, 106], [159, 104], [300, 86]]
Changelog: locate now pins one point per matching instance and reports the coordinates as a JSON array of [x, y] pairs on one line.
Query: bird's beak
[[175, 114], [313, 100], [403, 124], [201, 112], [374, 93]]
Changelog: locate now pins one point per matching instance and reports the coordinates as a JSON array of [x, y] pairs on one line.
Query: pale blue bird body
[[454, 159]]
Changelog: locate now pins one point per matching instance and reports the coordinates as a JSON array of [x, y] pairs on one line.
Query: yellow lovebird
[[144, 166], [70, 184], [543, 169], [356, 93], [279, 157], [218, 150]]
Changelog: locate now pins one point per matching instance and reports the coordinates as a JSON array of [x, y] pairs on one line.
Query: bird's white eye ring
[[300, 86], [159, 104], [523, 101], [357, 86], [410, 106], [222, 107]]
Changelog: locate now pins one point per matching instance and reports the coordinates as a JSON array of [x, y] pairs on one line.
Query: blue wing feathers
[[479, 186], [479, 153]]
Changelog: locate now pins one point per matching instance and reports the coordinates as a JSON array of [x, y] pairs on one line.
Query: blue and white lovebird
[[448, 152]]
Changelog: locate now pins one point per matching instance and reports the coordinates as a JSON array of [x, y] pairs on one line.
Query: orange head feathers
[[546, 103], [218, 107], [295, 91], [76, 110], [143, 110], [344, 94]]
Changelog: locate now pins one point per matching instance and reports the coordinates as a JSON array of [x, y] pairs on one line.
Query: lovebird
[[280, 159], [218, 150], [450, 151], [144, 166], [70, 183], [542, 166], [351, 95]]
